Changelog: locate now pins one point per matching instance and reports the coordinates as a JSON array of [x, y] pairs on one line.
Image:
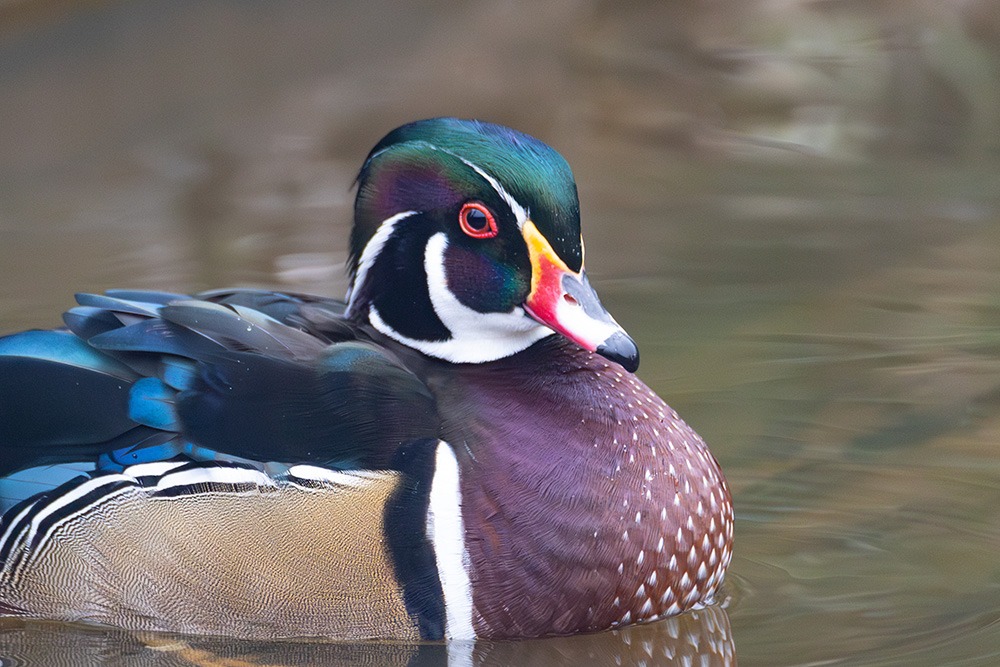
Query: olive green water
[[794, 207]]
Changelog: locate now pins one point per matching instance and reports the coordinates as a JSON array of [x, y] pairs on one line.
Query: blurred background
[[792, 205]]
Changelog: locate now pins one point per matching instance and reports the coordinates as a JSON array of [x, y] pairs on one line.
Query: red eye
[[477, 221]]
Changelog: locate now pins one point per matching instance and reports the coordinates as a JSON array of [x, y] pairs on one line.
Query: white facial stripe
[[475, 337], [520, 213], [371, 253], [446, 532]]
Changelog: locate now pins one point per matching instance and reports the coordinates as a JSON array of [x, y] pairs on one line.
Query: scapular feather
[[237, 375], [146, 296], [118, 305], [157, 336], [60, 348], [88, 321], [238, 327]]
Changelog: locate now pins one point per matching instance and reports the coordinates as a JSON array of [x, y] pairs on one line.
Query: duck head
[[466, 246]]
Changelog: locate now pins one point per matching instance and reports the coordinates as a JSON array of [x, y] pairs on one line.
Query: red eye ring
[[477, 221]]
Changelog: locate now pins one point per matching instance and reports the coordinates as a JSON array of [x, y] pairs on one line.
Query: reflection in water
[[702, 638]]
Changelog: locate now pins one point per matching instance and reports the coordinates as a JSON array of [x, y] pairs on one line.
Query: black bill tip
[[620, 349]]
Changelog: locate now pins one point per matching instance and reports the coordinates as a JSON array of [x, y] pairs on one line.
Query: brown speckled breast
[[588, 502]]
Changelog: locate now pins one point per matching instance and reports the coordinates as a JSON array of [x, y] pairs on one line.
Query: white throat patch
[[475, 337]]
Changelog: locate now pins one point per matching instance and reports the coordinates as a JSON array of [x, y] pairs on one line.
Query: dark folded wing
[[245, 376]]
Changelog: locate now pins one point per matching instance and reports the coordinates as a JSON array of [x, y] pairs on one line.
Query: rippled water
[[817, 297]]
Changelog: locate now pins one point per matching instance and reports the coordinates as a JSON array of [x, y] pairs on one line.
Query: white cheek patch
[[475, 337]]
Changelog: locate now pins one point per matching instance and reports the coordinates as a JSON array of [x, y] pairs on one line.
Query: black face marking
[[398, 281]]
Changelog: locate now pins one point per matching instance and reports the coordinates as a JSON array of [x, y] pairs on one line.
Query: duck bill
[[564, 301]]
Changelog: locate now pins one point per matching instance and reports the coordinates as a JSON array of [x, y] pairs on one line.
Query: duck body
[[427, 460], [614, 526]]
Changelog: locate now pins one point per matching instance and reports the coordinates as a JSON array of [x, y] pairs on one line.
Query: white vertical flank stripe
[[447, 535]]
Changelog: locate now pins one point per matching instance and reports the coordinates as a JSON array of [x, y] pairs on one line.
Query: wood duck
[[460, 450]]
